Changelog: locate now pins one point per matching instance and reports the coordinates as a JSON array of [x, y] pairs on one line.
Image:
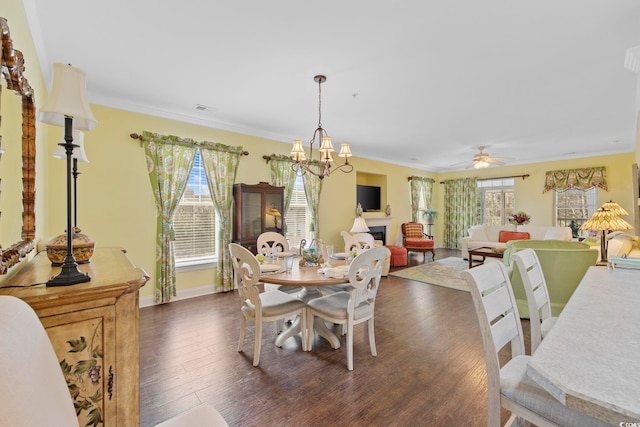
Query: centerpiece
[[519, 218]]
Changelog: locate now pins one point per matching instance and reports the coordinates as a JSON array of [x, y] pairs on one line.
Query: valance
[[579, 179], [421, 178]]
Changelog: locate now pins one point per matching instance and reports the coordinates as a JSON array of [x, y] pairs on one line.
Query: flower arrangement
[[519, 218]]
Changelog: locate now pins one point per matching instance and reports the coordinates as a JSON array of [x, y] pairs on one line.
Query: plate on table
[[269, 268], [339, 255], [285, 254]]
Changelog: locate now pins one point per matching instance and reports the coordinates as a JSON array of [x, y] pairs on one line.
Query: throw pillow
[[554, 235], [506, 236], [478, 234]]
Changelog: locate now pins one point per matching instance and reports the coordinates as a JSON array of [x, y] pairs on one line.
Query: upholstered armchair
[[415, 240], [563, 264]]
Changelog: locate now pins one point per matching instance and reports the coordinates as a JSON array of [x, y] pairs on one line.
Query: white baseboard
[[147, 301]]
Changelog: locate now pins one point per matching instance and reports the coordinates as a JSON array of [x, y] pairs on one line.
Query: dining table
[[590, 359], [311, 279]]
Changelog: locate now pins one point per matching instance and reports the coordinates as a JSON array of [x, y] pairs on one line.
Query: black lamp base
[[70, 275]]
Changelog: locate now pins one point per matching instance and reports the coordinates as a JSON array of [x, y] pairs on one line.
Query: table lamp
[[67, 106], [606, 218], [82, 245]]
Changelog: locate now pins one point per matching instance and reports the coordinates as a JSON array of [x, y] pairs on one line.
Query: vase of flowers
[[519, 218]]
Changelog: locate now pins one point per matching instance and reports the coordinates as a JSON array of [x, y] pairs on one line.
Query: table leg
[[306, 294]]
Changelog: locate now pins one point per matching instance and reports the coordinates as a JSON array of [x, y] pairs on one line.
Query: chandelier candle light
[[326, 147], [67, 106]]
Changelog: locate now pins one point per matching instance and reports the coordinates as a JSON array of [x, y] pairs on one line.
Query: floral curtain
[[312, 190], [283, 174], [169, 160], [221, 165], [461, 209], [580, 179], [420, 186]]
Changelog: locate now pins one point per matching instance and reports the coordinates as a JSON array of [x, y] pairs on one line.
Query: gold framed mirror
[[11, 252]]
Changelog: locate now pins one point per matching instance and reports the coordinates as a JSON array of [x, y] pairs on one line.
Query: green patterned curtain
[[169, 161], [312, 190], [221, 165], [579, 179], [284, 175], [420, 186], [460, 209]]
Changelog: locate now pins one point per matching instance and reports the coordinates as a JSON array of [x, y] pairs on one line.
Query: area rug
[[443, 272]]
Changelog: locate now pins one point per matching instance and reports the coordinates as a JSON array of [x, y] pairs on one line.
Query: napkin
[[337, 272]]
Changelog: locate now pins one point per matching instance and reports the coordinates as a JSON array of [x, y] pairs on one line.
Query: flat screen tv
[[369, 197]]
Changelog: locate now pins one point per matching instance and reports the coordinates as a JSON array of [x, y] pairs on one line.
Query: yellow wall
[[539, 206], [115, 204]]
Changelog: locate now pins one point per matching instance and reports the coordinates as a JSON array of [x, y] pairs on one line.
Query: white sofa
[[488, 235], [623, 244]]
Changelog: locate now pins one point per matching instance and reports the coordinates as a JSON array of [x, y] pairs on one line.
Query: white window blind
[[194, 223], [575, 206], [298, 218]]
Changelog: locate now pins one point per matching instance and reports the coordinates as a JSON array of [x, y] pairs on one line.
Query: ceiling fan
[[484, 160]]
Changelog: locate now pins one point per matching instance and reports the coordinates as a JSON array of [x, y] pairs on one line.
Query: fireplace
[[378, 228], [378, 232]]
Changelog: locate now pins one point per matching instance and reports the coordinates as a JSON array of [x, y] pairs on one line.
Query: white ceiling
[[417, 83]]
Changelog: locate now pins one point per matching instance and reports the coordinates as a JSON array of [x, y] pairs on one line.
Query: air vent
[[204, 108]]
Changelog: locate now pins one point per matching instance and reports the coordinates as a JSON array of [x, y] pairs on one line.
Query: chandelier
[[326, 147]]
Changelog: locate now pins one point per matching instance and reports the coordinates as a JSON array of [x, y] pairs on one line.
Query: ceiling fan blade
[[494, 161]]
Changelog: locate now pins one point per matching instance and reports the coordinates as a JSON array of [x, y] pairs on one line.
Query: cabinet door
[[251, 215], [84, 342], [274, 206]]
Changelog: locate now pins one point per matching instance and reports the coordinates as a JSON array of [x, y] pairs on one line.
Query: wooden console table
[[93, 327]]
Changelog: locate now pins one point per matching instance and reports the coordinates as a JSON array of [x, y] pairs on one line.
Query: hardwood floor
[[430, 368]]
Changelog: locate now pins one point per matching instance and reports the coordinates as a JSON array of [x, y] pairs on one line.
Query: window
[[497, 200], [574, 207], [194, 222], [298, 217]]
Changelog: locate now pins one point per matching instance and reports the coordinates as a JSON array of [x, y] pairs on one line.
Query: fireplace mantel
[[380, 222]]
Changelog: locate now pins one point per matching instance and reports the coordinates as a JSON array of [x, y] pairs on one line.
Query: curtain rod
[[501, 177], [141, 138]]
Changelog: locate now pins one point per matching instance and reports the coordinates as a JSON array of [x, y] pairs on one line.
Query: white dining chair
[[33, 390], [358, 242], [509, 386], [270, 244], [260, 307], [355, 306], [535, 288]]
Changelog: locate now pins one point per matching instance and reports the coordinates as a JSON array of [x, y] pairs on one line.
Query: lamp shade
[[68, 97], [614, 208], [359, 225], [606, 221], [78, 152]]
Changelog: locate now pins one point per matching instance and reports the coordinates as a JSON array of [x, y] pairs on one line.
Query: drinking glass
[[329, 252], [288, 263]]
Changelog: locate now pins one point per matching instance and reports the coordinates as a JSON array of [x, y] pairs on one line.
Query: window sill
[[194, 265]]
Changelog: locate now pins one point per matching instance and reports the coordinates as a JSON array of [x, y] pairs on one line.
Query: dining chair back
[[33, 390], [270, 243], [358, 242], [535, 288], [510, 386], [267, 306], [355, 306]]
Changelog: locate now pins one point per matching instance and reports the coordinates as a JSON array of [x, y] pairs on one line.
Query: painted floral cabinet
[[93, 327]]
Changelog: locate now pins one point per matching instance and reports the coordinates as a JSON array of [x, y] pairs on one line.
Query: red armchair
[[415, 240]]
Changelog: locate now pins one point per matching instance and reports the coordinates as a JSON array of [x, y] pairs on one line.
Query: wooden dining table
[[590, 360], [311, 280]]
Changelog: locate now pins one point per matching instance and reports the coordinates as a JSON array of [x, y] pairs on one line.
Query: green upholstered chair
[[563, 263]]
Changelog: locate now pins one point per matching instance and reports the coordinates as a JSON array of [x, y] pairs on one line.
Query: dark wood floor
[[430, 368]]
